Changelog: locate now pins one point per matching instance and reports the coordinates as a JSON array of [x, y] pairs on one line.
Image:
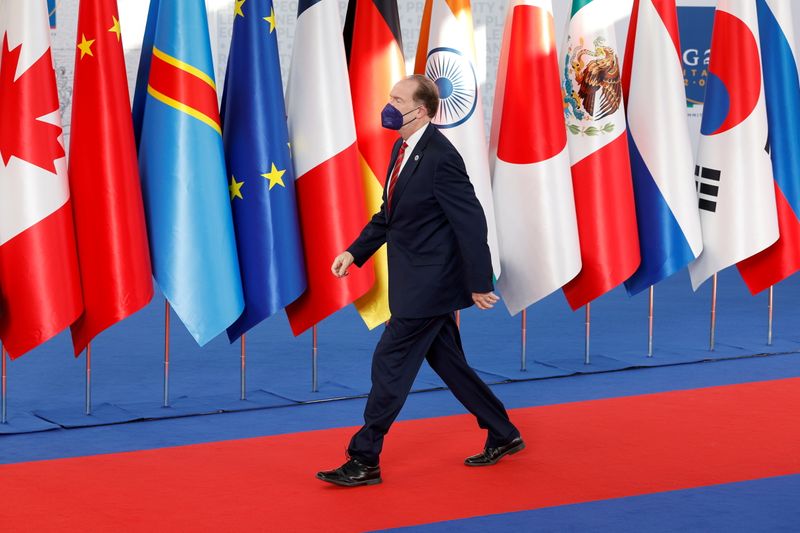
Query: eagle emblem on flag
[[592, 88]]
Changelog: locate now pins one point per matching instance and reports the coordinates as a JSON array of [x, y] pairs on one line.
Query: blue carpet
[[127, 359], [761, 505], [324, 415]]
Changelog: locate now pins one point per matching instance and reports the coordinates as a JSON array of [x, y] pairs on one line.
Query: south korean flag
[[736, 191]]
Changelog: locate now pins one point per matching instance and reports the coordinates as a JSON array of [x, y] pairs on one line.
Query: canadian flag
[[40, 291]]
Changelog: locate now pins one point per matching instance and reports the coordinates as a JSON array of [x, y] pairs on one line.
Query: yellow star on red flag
[[115, 28], [85, 46]]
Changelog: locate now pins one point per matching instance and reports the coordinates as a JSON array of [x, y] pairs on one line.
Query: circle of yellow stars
[[274, 176], [238, 12], [236, 188]]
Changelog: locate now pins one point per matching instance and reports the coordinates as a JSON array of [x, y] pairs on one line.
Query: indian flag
[[446, 54]]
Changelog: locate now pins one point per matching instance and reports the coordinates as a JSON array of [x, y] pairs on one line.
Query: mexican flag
[[598, 147]]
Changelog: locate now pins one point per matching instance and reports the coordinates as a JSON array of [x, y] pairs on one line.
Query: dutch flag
[[660, 149]]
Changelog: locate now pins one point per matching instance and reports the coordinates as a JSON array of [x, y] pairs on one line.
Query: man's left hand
[[485, 300]]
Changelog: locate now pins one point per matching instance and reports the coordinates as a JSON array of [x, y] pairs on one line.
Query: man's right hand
[[341, 264], [485, 300]]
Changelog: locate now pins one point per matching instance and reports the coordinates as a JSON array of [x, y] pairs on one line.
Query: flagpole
[[243, 368], [4, 386], [586, 360], [769, 320], [713, 312], [89, 378], [166, 354], [458, 319], [650, 325], [314, 387], [524, 340]]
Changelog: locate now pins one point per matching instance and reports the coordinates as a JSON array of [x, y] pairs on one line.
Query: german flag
[[375, 63]]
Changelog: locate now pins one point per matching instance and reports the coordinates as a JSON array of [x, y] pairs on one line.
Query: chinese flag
[[104, 179]]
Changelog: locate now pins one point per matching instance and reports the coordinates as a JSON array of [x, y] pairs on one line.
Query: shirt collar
[[414, 139]]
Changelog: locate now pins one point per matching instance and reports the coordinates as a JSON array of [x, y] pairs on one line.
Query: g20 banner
[[695, 26]]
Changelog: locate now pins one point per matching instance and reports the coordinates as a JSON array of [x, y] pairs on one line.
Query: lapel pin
[[416, 157]]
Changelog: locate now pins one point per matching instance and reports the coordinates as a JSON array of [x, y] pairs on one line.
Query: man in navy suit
[[439, 262]]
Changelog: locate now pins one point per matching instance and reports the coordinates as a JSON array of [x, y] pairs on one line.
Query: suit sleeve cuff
[[358, 259], [482, 286]]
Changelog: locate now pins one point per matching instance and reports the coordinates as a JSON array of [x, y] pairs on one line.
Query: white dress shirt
[[411, 144]]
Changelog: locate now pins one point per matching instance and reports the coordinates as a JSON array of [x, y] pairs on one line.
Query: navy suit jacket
[[435, 233]]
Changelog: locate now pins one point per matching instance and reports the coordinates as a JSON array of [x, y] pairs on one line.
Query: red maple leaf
[[22, 103]]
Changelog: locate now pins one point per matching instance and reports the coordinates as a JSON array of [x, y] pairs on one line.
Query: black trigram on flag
[[707, 182]]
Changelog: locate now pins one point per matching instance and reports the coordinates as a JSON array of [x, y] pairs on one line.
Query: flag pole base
[[586, 357], [314, 377], [711, 337], [524, 363], [88, 409], [242, 371], [4, 386], [166, 355], [650, 325], [769, 319]]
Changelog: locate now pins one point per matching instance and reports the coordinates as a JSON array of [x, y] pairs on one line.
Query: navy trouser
[[397, 359]]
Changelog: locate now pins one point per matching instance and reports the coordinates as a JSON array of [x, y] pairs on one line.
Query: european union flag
[[260, 174], [182, 166]]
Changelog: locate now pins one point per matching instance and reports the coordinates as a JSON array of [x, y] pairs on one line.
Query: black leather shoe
[[490, 456], [352, 474]]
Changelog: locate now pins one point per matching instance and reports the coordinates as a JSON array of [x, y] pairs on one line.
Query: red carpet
[[576, 452]]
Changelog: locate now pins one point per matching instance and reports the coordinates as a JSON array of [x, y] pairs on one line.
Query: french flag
[[330, 191], [782, 88], [661, 153]]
